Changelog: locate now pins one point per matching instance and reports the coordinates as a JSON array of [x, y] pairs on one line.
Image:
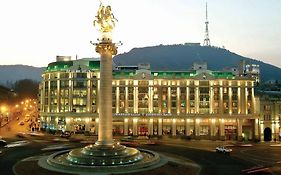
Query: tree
[[26, 88]]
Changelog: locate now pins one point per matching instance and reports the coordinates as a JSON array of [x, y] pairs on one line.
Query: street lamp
[[3, 109]]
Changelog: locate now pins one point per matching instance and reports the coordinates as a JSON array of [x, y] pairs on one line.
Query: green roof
[[228, 75], [174, 74], [59, 66], [94, 65]]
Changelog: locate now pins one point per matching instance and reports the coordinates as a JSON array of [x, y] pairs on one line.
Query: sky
[[33, 32]]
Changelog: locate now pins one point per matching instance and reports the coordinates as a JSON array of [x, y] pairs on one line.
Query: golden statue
[[105, 19]]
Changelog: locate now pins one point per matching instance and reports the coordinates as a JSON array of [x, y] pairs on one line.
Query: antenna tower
[[207, 39]]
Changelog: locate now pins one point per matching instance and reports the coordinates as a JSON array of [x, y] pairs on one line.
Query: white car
[[222, 149]]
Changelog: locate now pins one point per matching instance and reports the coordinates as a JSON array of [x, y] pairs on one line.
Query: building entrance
[[143, 130], [267, 134]]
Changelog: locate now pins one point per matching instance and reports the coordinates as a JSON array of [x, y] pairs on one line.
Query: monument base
[[116, 158]]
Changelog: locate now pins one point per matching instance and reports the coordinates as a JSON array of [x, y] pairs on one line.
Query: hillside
[[171, 57], [181, 57], [12, 73]]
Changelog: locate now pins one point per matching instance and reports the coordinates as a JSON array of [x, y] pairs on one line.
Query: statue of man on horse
[[105, 19]]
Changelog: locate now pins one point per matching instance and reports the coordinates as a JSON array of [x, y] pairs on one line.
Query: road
[[10, 129], [211, 163]]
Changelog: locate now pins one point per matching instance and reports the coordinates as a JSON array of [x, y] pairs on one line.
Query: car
[[21, 123], [3, 143], [21, 134], [65, 135], [222, 149]]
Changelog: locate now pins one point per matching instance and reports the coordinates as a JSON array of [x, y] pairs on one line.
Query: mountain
[[181, 57], [11, 73], [162, 57]]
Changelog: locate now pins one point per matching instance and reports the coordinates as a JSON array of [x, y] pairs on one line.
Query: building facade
[[269, 108], [200, 103]]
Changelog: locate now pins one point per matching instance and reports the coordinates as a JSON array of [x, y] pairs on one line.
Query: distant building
[[250, 70], [200, 103], [253, 70]]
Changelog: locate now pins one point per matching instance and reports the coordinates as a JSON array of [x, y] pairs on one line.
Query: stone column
[[246, 100], [169, 98], [89, 94], [230, 100], [136, 98], [253, 101], [55, 121], [174, 127], [197, 128], [49, 96], [187, 127], [221, 107], [58, 93], [160, 102], [242, 100], [213, 129], [126, 127], [160, 124], [187, 100], [67, 124], [239, 129], [126, 96], [197, 99], [87, 124], [150, 99], [239, 100], [150, 127], [42, 105], [211, 100], [256, 133], [106, 49], [222, 131], [135, 126], [70, 92], [178, 100]]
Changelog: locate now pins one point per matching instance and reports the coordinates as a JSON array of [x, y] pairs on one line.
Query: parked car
[[3, 143], [222, 149]]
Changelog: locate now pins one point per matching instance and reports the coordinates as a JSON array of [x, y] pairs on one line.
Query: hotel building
[[199, 103]]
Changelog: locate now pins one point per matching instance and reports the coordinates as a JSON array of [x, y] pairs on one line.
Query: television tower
[[207, 39]]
